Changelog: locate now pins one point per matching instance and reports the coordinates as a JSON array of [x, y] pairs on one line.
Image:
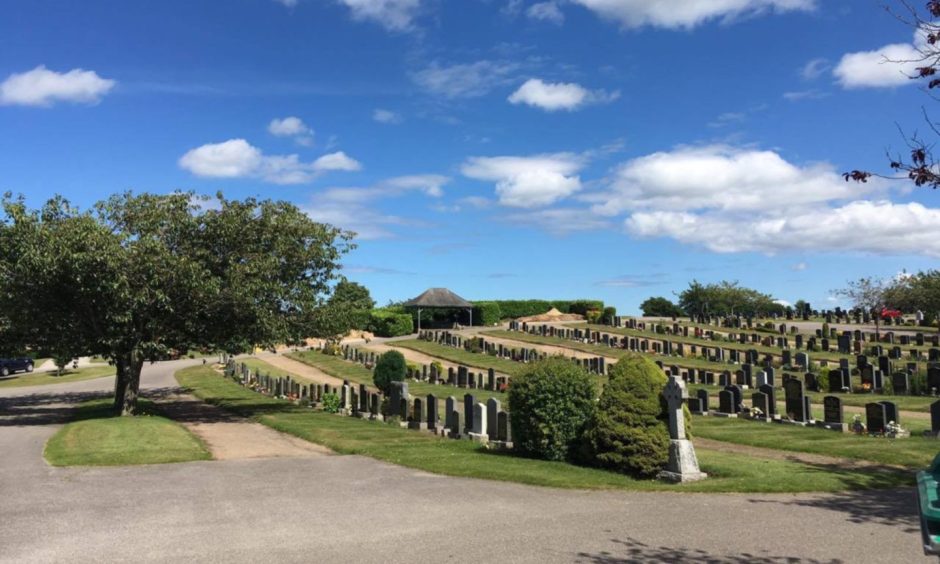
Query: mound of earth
[[552, 315]]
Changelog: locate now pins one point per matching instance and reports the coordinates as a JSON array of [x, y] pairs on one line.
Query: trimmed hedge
[[629, 430], [390, 367], [550, 402], [486, 313], [525, 308], [360, 318], [385, 323]]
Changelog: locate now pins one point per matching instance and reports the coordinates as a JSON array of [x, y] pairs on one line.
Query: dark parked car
[[10, 365]]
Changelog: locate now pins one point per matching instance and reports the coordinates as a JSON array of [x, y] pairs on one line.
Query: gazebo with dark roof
[[439, 298]]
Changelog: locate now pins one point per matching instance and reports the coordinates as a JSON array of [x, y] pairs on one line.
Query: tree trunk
[[127, 382]]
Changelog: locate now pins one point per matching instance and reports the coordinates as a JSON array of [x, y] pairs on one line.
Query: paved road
[[353, 509]]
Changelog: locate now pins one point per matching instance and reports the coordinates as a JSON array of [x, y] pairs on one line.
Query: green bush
[[523, 308], [582, 307], [609, 314], [359, 319], [384, 323], [390, 367], [549, 403], [629, 431], [660, 307], [331, 403], [486, 313]]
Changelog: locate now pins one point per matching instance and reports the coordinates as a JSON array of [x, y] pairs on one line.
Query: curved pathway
[[354, 509]]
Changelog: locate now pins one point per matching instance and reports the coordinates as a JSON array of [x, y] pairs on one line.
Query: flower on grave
[[893, 429], [756, 412]]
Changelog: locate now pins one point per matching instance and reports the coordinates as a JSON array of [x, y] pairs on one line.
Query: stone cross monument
[[683, 464]]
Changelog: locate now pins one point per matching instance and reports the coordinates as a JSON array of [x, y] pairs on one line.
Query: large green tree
[[867, 294], [353, 294], [915, 292], [726, 298], [139, 275], [660, 307]]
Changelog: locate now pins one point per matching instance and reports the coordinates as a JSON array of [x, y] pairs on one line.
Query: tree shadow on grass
[[43, 409], [892, 506], [632, 551]]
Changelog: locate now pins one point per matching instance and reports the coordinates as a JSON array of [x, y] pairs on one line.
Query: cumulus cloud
[[528, 182], [393, 15], [720, 177], [43, 87], [293, 127], [237, 158], [554, 96], [288, 127], [869, 226], [686, 14], [887, 67], [355, 208], [387, 117], [730, 200], [467, 80], [547, 12]]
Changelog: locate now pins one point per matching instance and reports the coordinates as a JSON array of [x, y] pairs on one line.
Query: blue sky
[[610, 149]]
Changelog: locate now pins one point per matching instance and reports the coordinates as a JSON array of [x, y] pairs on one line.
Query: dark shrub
[[549, 403], [629, 430], [390, 367]]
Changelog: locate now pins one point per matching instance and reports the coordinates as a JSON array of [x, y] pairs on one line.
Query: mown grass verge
[[22, 379], [97, 437], [358, 374], [345, 435], [915, 452]]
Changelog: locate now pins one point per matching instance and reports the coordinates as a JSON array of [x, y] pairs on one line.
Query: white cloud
[[386, 116], [288, 3], [528, 182], [890, 66], [546, 11], [288, 127], [43, 87], [559, 221], [799, 95], [236, 158], [230, 159], [814, 68], [337, 161], [355, 209], [799, 267], [554, 96], [730, 199], [685, 13], [393, 15], [865, 226], [721, 177], [465, 80]]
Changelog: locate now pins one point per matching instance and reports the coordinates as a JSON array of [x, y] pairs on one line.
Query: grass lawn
[[915, 452], [22, 379], [337, 367], [728, 472], [97, 437], [729, 345], [610, 352], [459, 356], [905, 403]]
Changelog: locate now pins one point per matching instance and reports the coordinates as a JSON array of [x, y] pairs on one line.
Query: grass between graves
[[601, 350], [904, 403], [915, 452], [725, 344], [356, 373], [459, 356], [21, 379], [98, 437], [413, 449]]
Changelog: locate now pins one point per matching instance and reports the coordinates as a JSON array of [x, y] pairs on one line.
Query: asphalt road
[[354, 509]]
